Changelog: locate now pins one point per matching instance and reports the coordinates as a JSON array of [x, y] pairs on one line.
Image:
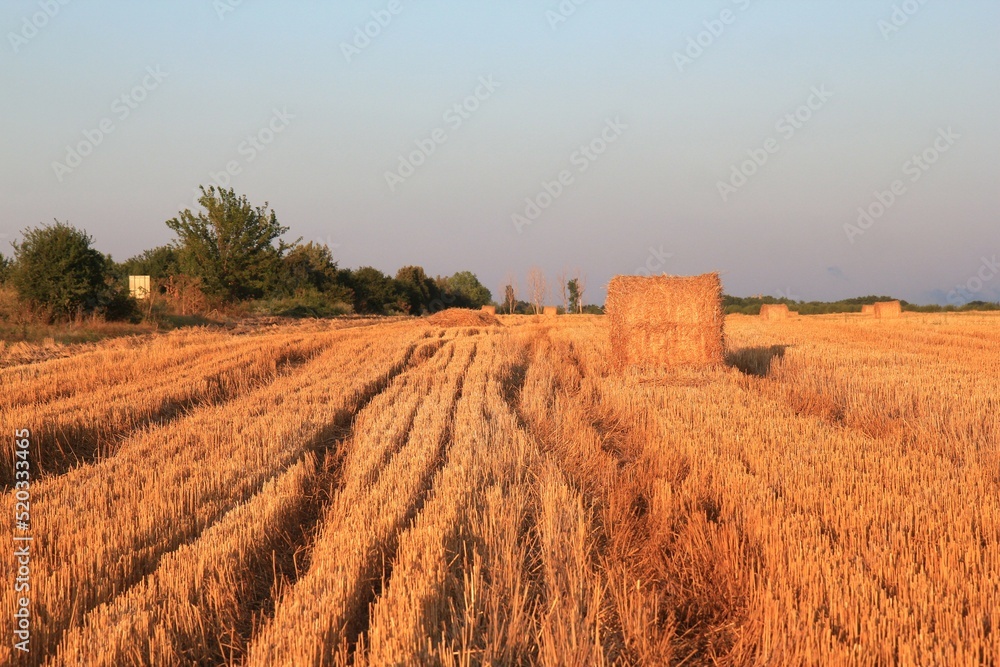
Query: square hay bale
[[868, 309], [774, 311], [665, 321], [550, 311], [492, 310], [888, 310]]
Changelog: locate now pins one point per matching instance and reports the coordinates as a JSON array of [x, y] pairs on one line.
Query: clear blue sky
[[681, 130]]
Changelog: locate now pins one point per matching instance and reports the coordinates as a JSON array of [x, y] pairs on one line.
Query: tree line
[[229, 254]]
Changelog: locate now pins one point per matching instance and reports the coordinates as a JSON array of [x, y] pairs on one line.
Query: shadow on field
[[755, 361]]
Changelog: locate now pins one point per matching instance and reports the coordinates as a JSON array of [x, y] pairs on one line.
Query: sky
[[813, 150]]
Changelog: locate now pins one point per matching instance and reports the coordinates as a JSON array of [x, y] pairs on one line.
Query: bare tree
[[537, 289], [509, 289], [563, 280], [581, 285]]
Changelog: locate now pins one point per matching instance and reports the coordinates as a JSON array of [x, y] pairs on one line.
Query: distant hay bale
[[550, 311], [774, 311], [888, 310], [665, 321], [462, 317], [492, 310], [867, 310]]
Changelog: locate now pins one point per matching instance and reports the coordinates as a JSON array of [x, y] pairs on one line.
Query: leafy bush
[[56, 269]]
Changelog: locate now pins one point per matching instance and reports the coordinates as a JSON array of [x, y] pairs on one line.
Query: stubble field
[[395, 493]]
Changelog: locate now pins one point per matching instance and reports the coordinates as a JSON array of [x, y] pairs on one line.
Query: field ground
[[392, 493]]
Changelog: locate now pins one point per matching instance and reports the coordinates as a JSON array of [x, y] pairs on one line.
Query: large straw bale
[[550, 311], [774, 311], [665, 321], [888, 310], [867, 309], [492, 310]]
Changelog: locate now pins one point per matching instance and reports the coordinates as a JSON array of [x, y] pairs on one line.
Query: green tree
[[231, 245], [4, 269], [56, 268], [573, 287], [158, 263], [309, 266], [375, 292], [417, 288], [469, 291]]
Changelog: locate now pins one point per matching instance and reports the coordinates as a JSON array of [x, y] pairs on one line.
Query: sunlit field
[[375, 492]]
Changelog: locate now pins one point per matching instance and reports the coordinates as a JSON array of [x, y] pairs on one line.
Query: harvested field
[[424, 493]]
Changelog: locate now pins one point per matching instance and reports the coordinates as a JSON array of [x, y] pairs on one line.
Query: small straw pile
[[462, 317], [492, 310], [665, 321]]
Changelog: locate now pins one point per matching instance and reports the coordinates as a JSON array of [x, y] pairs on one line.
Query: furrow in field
[[101, 528], [607, 604], [112, 362], [481, 604], [383, 487], [85, 427], [203, 602], [409, 621]]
